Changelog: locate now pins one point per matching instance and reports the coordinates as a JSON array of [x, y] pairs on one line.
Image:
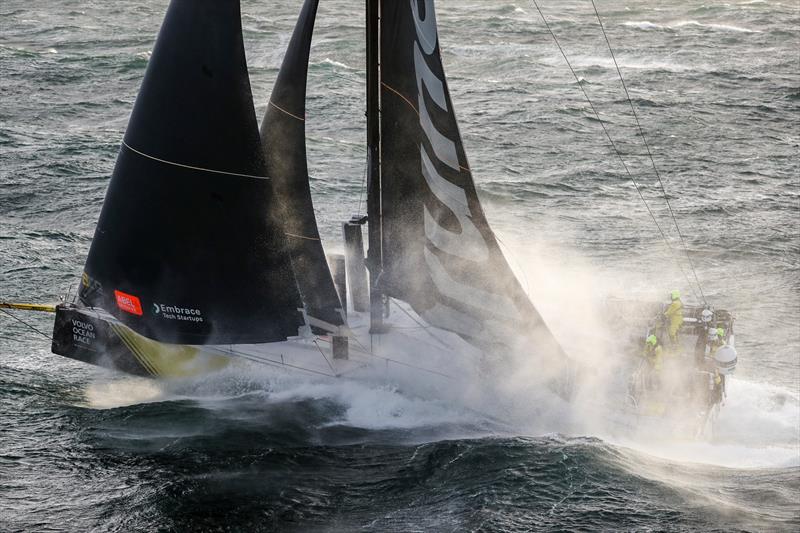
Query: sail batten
[[284, 148]]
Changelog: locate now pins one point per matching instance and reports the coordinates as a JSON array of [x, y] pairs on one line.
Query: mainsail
[[185, 251], [283, 138], [439, 253]]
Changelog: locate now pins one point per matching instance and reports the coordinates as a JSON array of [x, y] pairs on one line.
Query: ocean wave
[[332, 63], [646, 25], [627, 62], [719, 27]]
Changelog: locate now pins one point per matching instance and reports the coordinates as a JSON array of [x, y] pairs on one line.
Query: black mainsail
[[185, 250], [439, 253], [283, 138]]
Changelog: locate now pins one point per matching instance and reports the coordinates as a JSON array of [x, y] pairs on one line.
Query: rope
[[513, 257], [30, 326], [395, 361], [425, 327], [46, 308], [256, 358], [324, 357], [649, 153], [614, 146]]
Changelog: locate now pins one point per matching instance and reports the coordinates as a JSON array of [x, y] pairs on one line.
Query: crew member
[[674, 316], [716, 381], [709, 386], [719, 341], [701, 347], [653, 354]]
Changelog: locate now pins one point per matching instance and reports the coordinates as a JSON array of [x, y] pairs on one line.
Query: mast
[[375, 252]]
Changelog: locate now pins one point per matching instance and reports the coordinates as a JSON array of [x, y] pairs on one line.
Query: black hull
[[84, 335]]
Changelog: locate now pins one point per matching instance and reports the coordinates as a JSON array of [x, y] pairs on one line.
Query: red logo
[[128, 303]]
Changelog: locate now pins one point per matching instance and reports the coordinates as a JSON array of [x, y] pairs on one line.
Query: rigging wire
[[425, 328], [388, 360], [260, 360], [614, 146], [28, 325], [324, 356], [649, 152]]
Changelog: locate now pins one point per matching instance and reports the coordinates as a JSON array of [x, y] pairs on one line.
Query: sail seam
[[398, 93], [279, 108], [301, 236], [406, 100], [191, 167]]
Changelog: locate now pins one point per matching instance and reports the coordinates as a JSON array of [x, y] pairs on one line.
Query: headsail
[[439, 253], [184, 251], [283, 138]]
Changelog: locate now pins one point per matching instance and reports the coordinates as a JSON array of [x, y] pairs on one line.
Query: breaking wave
[[648, 26]]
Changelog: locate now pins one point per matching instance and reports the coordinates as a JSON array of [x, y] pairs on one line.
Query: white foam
[[718, 27], [756, 428], [646, 25], [759, 414], [627, 62], [333, 63], [123, 392], [725, 455], [378, 406]]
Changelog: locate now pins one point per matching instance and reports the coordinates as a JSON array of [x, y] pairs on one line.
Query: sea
[[716, 89]]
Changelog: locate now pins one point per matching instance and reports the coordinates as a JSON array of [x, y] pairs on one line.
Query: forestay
[[185, 250]]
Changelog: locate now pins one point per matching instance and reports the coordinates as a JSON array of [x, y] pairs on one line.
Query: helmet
[[675, 294], [725, 360], [652, 340], [706, 315], [720, 332]]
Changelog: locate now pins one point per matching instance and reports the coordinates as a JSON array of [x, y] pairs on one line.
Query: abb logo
[[128, 303]]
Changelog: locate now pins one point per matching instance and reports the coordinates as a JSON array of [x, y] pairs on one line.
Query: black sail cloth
[[283, 139], [185, 250], [440, 254]]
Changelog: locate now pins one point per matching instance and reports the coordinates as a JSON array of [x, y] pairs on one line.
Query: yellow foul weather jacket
[[674, 314], [654, 356]]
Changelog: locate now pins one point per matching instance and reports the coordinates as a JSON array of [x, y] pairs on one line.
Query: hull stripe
[[144, 361]]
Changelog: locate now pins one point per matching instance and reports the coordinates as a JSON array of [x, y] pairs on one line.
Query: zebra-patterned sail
[[439, 253]]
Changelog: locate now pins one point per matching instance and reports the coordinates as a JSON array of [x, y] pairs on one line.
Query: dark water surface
[[717, 88]]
